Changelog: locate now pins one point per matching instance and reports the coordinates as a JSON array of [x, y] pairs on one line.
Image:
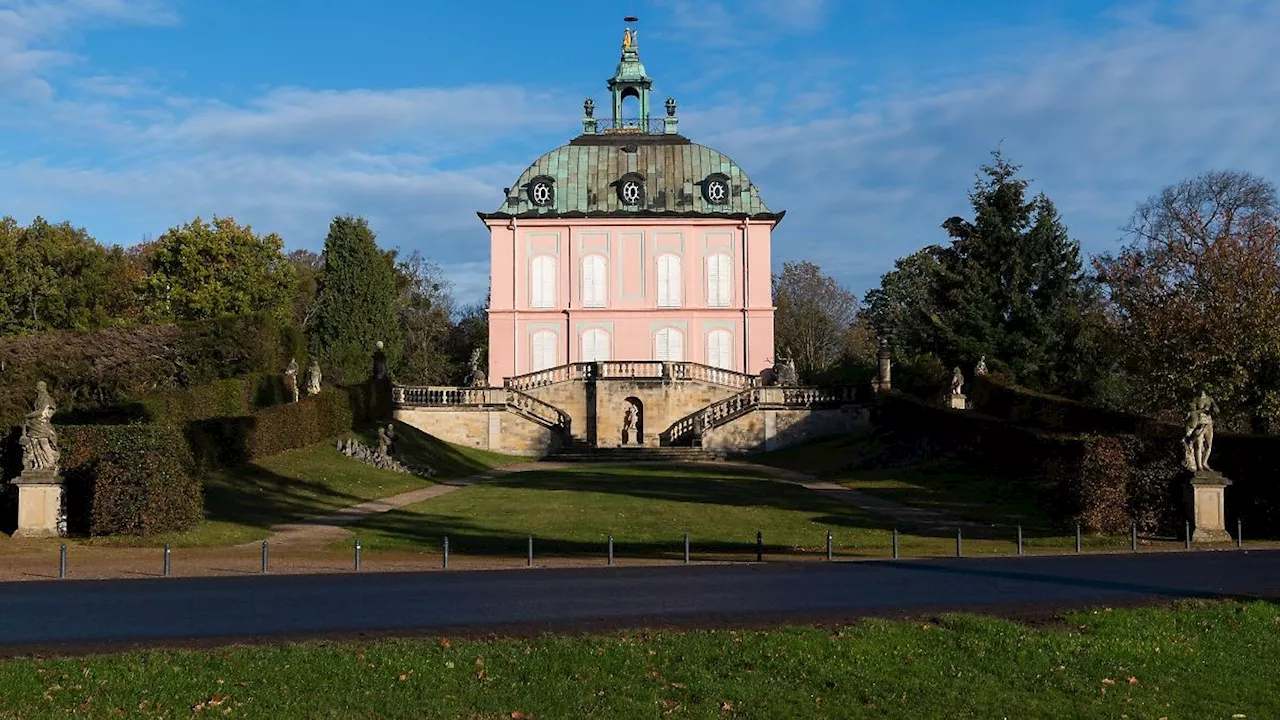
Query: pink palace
[[630, 243]]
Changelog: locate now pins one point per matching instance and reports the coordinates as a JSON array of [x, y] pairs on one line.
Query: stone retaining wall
[[495, 429], [766, 429]]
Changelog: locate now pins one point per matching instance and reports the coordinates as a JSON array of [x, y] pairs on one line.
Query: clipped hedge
[[996, 396], [129, 480], [93, 374]]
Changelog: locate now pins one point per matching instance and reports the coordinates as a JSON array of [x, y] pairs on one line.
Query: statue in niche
[[313, 378], [1197, 438], [291, 379], [39, 441], [628, 424], [981, 368], [957, 382], [476, 376]]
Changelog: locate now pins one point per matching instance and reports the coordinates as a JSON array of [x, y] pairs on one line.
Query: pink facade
[[691, 289]]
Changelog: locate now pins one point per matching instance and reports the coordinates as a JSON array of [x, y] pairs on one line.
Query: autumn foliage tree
[[1195, 296], [814, 317]]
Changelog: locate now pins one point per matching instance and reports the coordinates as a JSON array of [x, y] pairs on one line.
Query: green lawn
[[648, 509], [1197, 660], [242, 503]]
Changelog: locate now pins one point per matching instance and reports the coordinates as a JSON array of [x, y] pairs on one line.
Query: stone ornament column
[[883, 381]]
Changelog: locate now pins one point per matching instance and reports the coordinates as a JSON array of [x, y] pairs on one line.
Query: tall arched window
[[542, 282], [668, 345], [594, 282], [719, 281], [668, 281], [595, 345], [720, 349], [543, 350]]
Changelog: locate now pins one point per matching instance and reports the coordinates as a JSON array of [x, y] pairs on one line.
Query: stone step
[[586, 453]]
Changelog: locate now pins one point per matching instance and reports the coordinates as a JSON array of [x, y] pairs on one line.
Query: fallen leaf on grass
[[1133, 680], [726, 706], [678, 685], [1108, 681], [480, 674], [517, 715], [444, 643]]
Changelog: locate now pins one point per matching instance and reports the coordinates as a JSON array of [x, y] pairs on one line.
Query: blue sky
[[864, 119]]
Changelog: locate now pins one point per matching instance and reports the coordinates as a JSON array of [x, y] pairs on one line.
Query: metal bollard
[[1133, 536], [895, 543], [686, 548], [1186, 535], [1239, 532], [530, 551], [1019, 539], [446, 552], [759, 546], [828, 546], [959, 544], [265, 557], [610, 549], [166, 559], [62, 563], [357, 554], [1077, 537]]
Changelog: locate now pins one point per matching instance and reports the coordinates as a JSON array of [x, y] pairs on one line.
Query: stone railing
[[716, 414], [536, 410], [443, 395], [632, 370]]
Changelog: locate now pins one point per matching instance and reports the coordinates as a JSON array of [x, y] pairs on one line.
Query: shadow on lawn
[[254, 496]]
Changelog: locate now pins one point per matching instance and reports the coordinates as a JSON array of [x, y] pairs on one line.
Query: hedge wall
[[94, 375], [129, 480]]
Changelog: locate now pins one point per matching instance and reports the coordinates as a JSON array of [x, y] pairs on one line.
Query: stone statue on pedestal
[[291, 379], [313, 378], [981, 368], [476, 376], [39, 440], [1197, 437], [957, 400], [386, 436], [784, 371]]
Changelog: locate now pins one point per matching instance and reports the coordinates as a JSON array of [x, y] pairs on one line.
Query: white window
[[595, 345], [668, 281], [543, 347], [542, 282], [719, 349], [593, 281], [669, 345], [719, 280]]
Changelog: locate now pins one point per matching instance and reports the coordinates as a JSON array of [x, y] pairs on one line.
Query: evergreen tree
[[356, 303]]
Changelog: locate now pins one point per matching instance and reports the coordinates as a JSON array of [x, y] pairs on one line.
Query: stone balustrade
[[632, 370], [782, 398]]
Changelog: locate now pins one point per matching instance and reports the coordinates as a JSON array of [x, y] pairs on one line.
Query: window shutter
[[668, 281], [593, 281], [544, 350], [669, 345], [542, 282], [595, 345], [719, 344], [719, 277]]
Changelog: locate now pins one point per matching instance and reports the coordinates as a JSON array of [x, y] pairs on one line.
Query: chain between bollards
[[828, 546], [959, 543], [357, 558], [895, 543], [530, 563], [686, 548], [446, 552], [1019, 539], [759, 546], [1133, 536], [610, 549], [1077, 537], [266, 560], [62, 563], [166, 559]]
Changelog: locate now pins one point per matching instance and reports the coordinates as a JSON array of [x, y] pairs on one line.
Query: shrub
[[129, 480]]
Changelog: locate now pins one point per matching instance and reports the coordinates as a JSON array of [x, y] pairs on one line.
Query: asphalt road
[[103, 613]]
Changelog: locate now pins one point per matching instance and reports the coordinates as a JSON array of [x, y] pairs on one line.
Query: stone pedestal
[[959, 402], [1206, 501], [39, 504]]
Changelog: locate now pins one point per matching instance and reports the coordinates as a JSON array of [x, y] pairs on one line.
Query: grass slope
[[1199, 660], [648, 509]]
